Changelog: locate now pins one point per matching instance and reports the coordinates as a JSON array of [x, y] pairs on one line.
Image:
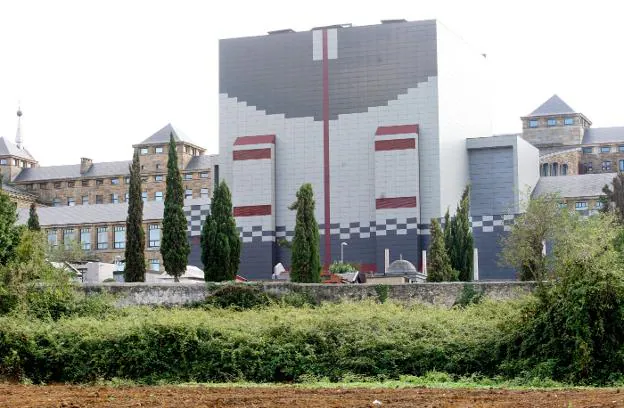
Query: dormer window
[[159, 149], [568, 121], [144, 150], [533, 123], [552, 122]]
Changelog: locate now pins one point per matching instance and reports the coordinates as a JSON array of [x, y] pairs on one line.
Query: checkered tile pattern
[[481, 223], [195, 215]]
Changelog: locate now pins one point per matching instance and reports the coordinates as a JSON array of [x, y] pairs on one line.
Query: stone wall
[[440, 294]]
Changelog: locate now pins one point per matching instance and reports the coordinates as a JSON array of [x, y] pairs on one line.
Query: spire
[[18, 136]]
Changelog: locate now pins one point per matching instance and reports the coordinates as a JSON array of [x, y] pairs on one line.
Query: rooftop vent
[[346, 25], [397, 20], [284, 31]]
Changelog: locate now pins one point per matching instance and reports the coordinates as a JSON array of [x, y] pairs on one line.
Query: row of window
[[119, 237], [582, 205], [533, 123], [604, 149], [115, 181], [115, 199], [16, 163], [160, 150], [553, 169], [606, 166]]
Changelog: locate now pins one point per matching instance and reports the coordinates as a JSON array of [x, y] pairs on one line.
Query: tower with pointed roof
[[13, 156], [554, 125]]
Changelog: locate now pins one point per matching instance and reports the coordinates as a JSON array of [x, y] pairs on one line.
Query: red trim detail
[[252, 210], [396, 130], [252, 154], [326, 150], [395, 144], [368, 267], [259, 139], [396, 202]]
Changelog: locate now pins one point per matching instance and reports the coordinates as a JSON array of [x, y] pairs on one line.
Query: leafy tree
[[438, 262], [306, 260], [220, 242], [33, 218], [543, 221], [461, 249], [9, 232], [135, 235], [174, 247], [70, 252]]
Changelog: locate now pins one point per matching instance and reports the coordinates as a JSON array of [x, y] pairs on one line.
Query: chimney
[[85, 165]]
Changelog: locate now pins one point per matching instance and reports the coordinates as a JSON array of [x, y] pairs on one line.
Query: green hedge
[[275, 343]]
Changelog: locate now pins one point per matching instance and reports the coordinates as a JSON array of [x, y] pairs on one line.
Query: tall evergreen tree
[[306, 260], [135, 235], [174, 246], [448, 231], [438, 263], [220, 242], [33, 218], [615, 196], [461, 251], [9, 232]]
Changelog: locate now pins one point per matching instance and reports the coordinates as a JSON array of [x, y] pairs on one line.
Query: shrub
[[238, 296], [339, 267], [468, 296]]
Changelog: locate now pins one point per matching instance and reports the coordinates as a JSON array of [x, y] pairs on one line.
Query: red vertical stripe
[[326, 150]]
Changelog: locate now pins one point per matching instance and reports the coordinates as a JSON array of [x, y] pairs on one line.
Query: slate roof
[[162, 136], [98, 213], [202, 162], [72, 171], [584, 185], [553, 106], [8, 148], [604, 135], [16, 190]]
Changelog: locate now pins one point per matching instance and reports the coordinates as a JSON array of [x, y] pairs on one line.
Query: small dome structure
[[401, 267]]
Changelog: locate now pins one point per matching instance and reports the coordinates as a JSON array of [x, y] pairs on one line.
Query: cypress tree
[[220, 242], [174, 247], [448, 232], [306, 260], [461, 251], [33, 218], [438, 263], [9, 233], [135, 235]]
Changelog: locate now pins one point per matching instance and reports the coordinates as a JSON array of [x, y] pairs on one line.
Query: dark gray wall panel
[[257, 260], [489, 246], [492, 181]]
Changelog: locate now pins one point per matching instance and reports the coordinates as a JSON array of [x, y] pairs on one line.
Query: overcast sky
[[94, 77]]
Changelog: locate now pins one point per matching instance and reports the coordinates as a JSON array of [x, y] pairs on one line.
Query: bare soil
[[71, 396]]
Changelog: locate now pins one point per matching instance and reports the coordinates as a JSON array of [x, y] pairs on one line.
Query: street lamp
[[342, 245]]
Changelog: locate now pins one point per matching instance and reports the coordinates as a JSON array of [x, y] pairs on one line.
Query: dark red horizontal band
[[396, 130], [395, 144], [247, 140], [251, 210], [368, 268], [396, 202], [252, 154]]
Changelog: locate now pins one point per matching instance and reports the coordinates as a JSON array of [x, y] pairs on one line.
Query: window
[[85, 238], [158, 196], [120, 237], [99, 199], [115, 181], [157, 166], [71, 183], [588, 167], [562, 205], [68, 237], [43, 185], [57, 184], [580, 205], [606, 165], [552, 122], [158, 149], [554, 169], [605, 149], [85, 199], [142, 167], [144, 150], [99, 182], [545, 170], [154, 235], [621, 165], [188, 176], [3, 162], [127, 197], [85, 183], [588, 149], [158, 177], [16, 162], [114, 198], [564, 169], [102, 238], [568, 121], [598, 205], [144, 196], [188, 193], [203, 193], [533, 123], [56, 202], [127, 180], [52, 238], [71, 201], [203, 175], [188, 149], [154, 265]]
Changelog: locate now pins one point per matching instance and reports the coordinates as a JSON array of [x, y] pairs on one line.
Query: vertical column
[[396, 191], [253, 199]]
